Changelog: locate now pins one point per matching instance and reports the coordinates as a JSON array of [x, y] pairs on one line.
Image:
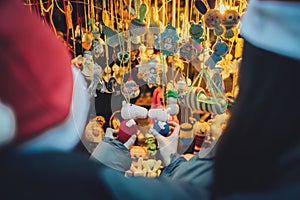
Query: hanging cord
[[45, 16], [48, 10], [85, 16], [67, 22], [43, 9], [77, 13]]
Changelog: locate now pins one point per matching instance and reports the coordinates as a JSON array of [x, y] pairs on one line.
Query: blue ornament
[[168, 40], [220, 48]]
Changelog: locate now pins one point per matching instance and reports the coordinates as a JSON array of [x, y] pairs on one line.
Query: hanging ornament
[[169, 38], [230, 19], [123, 57], [130, 89], [155, 24], [87, 65], [97, 82], [220, 48], [153, 78], [98, 49], [117, 73], [197, 98], [200, 7], [87, 39], [137, 25], [187, 51], [111, 84], [107, 73], [196, 32], [217, 79], [213, 19]]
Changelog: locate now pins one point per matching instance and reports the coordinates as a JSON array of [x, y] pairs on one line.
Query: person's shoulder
[[50, 176]]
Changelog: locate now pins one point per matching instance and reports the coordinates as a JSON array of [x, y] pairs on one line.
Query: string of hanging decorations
[[185, 48]]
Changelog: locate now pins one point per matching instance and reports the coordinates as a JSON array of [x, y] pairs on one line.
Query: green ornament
[[172, 93], [143, 11]]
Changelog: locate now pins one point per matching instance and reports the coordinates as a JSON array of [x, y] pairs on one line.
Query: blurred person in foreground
[[256, 158]]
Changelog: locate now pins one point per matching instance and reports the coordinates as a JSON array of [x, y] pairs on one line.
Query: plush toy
[[220, 48], [188, 50], [230, 19], [213, 19], [128, 127], [201, 130], [201, 7], [160, 117], [157, 98], [137, 25], [196, 32], [151, 145], [173, 107]]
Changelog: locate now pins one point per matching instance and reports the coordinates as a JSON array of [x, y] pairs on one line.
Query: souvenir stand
[[147, 62]]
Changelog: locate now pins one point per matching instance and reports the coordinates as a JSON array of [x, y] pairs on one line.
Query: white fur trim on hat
[[7, 124]]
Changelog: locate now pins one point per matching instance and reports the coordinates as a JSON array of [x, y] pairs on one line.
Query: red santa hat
[[36, 78]]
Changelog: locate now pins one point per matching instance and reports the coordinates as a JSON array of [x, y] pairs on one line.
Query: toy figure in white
[[173, 107]]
